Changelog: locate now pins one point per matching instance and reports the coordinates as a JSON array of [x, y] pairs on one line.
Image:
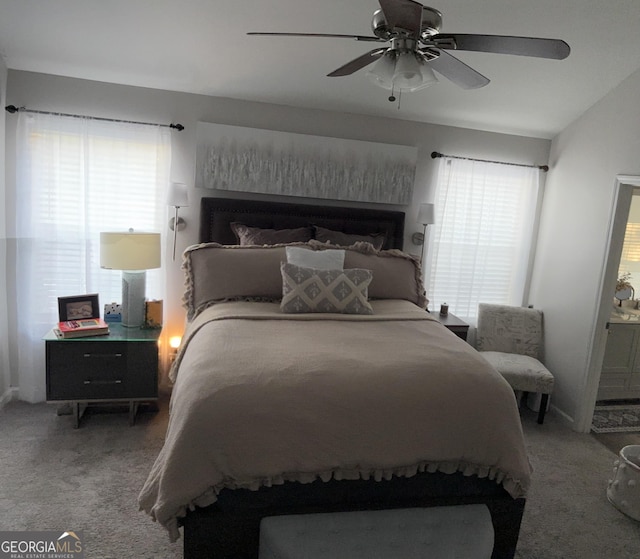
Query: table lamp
[[134, 253]]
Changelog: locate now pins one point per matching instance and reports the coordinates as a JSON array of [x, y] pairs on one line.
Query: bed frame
[[230, 527]]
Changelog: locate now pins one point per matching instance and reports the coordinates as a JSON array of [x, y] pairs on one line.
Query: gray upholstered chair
[[510, 338]]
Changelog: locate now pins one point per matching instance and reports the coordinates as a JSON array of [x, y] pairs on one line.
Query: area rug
[[616, 419]]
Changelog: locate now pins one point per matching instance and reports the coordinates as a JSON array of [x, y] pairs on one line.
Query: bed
[[279, 409]]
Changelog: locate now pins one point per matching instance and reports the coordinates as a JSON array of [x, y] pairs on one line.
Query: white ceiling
[[200, 46]]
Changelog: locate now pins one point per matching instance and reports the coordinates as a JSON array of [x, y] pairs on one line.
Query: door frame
[[618, 216]]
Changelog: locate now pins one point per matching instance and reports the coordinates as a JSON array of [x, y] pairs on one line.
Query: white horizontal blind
[[631, 246], [75, 179], [482, 237]]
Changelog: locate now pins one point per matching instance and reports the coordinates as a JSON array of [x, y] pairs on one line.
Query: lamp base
[[133, 296]]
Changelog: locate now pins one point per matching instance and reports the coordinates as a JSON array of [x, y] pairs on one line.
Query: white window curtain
[[5, 377], [76, 177], [481, 241]]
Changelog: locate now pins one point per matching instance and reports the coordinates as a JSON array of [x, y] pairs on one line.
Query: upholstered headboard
[[217, 213]]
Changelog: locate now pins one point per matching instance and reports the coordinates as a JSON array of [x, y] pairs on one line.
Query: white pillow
[[317, 259]]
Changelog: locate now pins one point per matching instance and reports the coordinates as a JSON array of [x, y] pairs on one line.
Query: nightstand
[[121, 367], [459, 327]]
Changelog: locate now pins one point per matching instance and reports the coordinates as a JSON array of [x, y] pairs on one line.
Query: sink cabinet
[[620, 378]]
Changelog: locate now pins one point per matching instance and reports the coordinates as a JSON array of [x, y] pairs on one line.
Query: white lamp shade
[[178, 195], [130, 251], [426, 214]]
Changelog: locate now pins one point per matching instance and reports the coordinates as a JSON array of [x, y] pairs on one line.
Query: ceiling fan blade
[[502, 44], [357, 63], [405, 14], [355, 37], [457, 71]]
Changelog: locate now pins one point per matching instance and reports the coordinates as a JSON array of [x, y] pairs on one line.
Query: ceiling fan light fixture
[[407, 75], [402, 70], [428, 75], [382, 72]]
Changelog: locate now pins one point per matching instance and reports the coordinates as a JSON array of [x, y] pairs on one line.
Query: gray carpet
[[615, 441], [567, 514], [53, 477]]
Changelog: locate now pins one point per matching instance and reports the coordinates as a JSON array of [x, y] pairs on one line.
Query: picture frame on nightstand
[[78, 307]]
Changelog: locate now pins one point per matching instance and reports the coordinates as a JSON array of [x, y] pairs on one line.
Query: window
[[77, 177], [481, 241], [630, 258]]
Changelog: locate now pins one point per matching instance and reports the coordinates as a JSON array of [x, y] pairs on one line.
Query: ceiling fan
[[418, 48]]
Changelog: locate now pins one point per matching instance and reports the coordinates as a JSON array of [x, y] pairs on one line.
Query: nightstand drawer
[[99, 359], [101, 370]]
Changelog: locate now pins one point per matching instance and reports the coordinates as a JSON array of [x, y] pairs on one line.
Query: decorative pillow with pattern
[[307, 290]]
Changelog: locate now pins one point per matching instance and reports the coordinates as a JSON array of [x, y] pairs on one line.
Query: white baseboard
[[566, 418], [10, 394], [533, 403]]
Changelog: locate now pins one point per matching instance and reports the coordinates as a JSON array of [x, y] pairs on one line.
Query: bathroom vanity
[[620, 378]]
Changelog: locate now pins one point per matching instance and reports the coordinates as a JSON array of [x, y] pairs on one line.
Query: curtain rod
[[435, 155], [13, 109]]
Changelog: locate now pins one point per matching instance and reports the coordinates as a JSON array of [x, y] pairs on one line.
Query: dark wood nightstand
[[459, 327], [119, 367]]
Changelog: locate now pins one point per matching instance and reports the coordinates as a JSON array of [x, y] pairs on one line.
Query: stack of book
[[82, 328]]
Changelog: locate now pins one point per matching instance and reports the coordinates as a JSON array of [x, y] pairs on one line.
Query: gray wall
[[573, 240], [46, 92]]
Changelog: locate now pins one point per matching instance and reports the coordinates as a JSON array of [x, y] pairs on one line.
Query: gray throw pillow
[[259, 237], [347, 239], [307, 290]]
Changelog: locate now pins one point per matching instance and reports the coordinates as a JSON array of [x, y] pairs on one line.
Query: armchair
[[510, 338]]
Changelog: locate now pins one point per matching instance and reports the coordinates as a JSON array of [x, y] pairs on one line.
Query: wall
[[572, 243], [46, 92], [4, 348]]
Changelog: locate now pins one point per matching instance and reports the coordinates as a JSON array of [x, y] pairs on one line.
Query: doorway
[[619, 214]]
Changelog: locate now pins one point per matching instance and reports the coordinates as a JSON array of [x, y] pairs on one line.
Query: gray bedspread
[[261, 397]]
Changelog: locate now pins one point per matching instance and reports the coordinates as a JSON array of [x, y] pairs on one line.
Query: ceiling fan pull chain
[[392, 97]]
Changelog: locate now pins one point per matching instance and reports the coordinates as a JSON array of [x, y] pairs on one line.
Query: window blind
[[75, 179], [482, 236]]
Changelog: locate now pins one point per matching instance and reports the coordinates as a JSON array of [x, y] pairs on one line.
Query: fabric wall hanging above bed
[[270, 162]]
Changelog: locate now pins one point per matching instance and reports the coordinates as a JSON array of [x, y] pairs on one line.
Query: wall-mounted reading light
[[178, 197], [425, 217]]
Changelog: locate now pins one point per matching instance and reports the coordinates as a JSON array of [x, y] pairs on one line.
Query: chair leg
[[523, 399], [544, 401]]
